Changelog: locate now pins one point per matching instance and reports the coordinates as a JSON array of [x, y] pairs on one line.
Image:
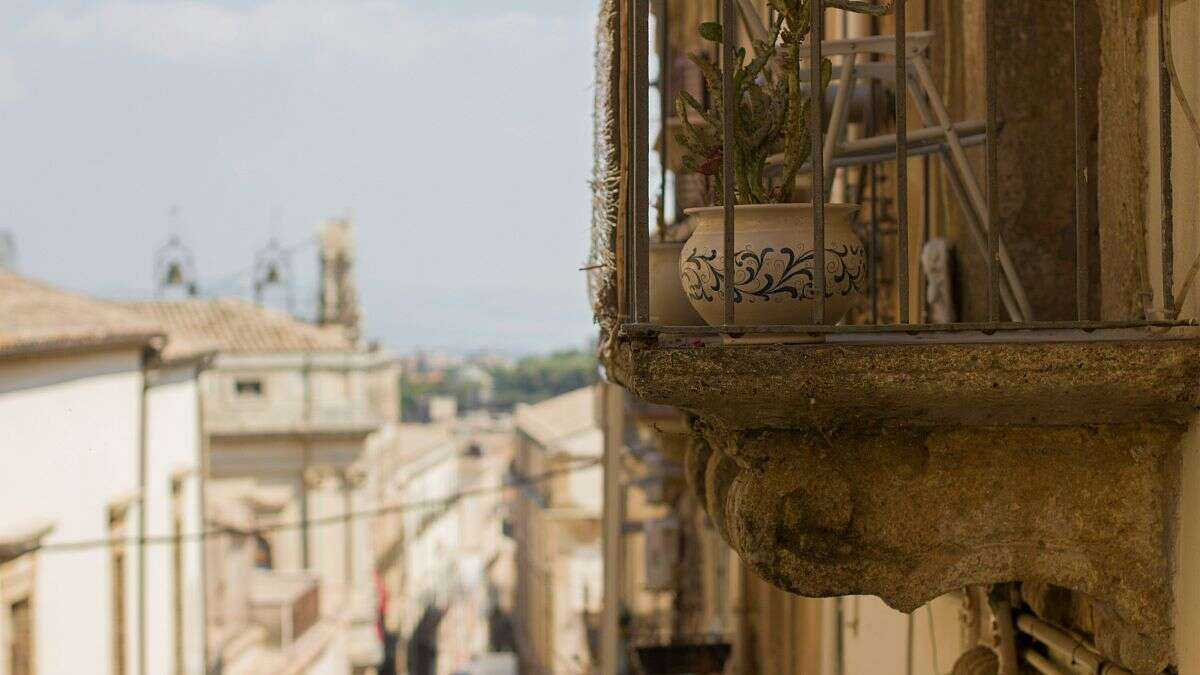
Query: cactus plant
[[772, 114]]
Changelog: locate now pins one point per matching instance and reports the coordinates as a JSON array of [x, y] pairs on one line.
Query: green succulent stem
[[772, 111]]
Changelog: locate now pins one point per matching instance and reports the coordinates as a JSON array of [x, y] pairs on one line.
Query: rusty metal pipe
[[993, 179], [1002, 609], [728, 110], [1062, 642], [1042, 664], [901, 8], [1082, 229], [1165, 155], [641, 160], [816, 122]]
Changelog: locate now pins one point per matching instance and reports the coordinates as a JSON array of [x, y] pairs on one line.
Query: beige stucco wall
[[876, 637], [558, 555], [783, 634], [303, 441], [331, 388]]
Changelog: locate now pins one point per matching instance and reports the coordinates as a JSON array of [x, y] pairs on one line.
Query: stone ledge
[[826, 386]]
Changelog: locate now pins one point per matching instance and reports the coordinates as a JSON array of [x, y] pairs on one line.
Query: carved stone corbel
[[909, 515]]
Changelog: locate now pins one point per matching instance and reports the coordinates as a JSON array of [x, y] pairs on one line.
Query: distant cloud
[[203, 31]]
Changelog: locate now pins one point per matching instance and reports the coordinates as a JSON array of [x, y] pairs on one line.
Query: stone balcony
[[909, 465], [285, 605], [290, 418]]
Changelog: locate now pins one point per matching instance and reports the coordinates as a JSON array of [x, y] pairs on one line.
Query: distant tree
[[529, 380], [536, 378]]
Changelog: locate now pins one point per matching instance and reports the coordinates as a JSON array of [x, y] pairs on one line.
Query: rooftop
[[417, 440], [236, 326], [564, 424], [36, 317]]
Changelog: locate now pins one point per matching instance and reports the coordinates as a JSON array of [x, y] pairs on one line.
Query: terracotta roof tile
[[233, 325], [36, 317]]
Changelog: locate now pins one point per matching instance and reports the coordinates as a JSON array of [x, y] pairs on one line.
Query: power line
[[325, 520], [228, 278]]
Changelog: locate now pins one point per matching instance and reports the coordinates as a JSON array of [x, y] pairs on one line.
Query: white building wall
[[578, 587], [585, 489], [173, 455], [334, 659], [287, 544], [876, 637], [195, 601], [68, 448], [327, 538]]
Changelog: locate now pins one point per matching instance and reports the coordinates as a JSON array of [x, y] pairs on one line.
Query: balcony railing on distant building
[[286, 605], [289, 417]]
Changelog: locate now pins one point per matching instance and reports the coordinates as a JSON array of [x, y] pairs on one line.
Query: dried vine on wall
[[606, 173]]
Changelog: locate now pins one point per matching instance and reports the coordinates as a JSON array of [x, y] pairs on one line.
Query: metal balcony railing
[[1007, 310]]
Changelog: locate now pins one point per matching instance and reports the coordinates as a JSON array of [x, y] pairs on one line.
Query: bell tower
[[338, 301], [174, 266]]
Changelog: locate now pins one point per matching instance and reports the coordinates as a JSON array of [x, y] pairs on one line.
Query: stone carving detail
[[911, 514]]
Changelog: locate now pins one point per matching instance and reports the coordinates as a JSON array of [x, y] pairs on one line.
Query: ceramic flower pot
[[669, 306], [773, 264]]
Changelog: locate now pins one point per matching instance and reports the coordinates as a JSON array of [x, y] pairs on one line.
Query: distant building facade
[[556, 511], [446, 566], [288, 410]]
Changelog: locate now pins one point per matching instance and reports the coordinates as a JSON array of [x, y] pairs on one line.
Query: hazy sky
[[455, 132]]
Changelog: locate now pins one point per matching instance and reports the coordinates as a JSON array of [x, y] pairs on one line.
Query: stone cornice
[[823, 386]]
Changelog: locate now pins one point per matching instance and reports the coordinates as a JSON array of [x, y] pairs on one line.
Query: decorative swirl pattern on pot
[[770, 274]]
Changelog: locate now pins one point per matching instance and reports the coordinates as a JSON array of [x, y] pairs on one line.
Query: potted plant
[[774, 278]]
